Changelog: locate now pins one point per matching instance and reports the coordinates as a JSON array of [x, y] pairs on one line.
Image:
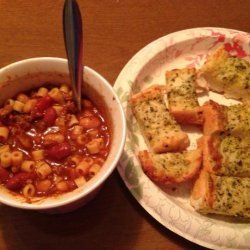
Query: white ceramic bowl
[[34, 72]]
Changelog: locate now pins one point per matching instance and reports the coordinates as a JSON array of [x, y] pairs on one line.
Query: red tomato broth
[[27, 132]]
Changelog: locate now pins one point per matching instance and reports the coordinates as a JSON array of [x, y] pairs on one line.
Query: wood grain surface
[[114, 30]]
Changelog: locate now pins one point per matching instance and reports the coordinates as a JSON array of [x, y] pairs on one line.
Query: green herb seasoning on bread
[[159, 128], [182, 98], [171, 168], [227, 74], [225, 195]]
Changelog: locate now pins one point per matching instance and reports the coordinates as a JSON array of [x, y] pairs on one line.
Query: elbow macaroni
[[29, 106], [29, 190], [81, 139], [16, 158], [64, 88], [56, 94], [94, 169], [4, 148], [80, 181], [58, 109], [4, 133], [82, 168], [5, 159], [73, 121], [22, 98], [43, 170], [42, 91], [38, 154], [18, 106], [28, 166], [95, 145]]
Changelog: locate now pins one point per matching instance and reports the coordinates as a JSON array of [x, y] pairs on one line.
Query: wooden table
[[114, 30]]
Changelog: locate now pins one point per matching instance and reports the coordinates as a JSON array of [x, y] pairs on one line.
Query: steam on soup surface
[[46, 146]]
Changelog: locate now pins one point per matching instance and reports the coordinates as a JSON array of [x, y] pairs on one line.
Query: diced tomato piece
[[4, 175], [59, 151], [50, 116], [19, 180], [42, 104]]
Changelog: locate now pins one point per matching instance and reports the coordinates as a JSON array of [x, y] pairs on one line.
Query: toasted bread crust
[[173, 142], [192, 116], [212, 159], [164, 169], [214, 118], [185, 71], [148, 93], [201, 198]]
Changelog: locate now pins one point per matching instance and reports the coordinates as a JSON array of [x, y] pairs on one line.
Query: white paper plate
[[171, 207]]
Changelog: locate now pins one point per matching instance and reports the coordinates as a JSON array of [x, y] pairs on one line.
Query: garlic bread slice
[[226, 155], [170, 168], [234, 119], [182, 98], [158, 127], [225, 195], [227, 74]]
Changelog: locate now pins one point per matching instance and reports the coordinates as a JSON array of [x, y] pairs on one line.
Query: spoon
[[72, 29]]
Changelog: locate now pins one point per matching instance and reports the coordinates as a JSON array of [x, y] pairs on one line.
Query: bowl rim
[[99, 181]]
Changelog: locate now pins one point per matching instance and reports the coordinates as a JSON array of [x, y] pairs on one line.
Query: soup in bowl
[[54, 158]]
